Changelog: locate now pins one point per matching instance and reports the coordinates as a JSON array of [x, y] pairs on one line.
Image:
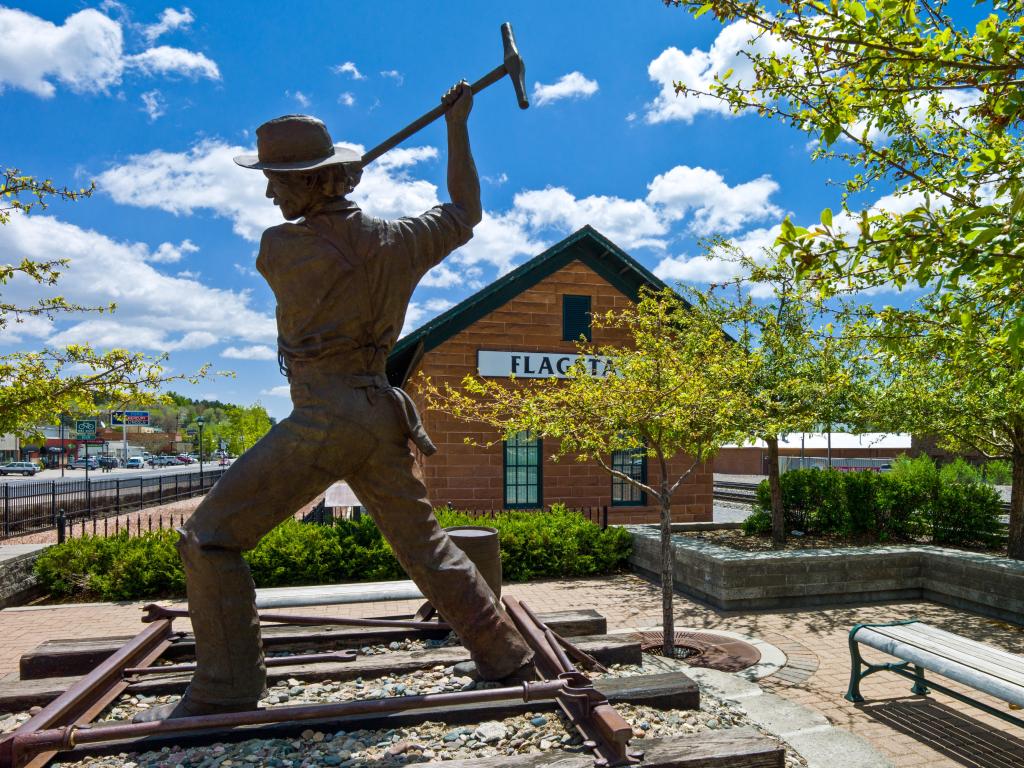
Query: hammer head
[[514, 65]]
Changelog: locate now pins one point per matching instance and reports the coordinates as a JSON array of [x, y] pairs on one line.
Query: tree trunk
[[1015, 546], [667, 565], [778, 516]]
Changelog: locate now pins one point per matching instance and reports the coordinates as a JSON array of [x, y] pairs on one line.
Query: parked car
[[26, 468], [92, 462], [109, 462], [136, 462]]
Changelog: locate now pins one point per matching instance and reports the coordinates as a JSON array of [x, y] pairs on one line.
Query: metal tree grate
[[703, 649]]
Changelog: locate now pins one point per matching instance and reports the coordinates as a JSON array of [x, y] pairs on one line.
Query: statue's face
[[294, 193]]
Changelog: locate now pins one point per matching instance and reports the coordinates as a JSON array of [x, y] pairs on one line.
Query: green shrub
[[966, 514], [959, 471], [759, 523], [998, 472], [556, 543], [952, 505]]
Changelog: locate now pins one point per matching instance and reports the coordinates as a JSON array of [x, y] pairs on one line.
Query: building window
[[522, 472], [575, 318], [634, 464]]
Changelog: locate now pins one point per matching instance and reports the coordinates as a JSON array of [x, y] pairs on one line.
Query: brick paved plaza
[[911, 730]]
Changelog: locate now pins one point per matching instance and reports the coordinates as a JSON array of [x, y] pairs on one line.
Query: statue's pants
[[333, 432]]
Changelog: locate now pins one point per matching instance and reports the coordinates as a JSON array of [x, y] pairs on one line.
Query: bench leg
[[853, 692], [920, 688]]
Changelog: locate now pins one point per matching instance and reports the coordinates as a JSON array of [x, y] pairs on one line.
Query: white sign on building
[[538, 365]]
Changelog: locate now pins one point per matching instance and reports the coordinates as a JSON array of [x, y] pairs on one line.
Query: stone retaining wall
[[730, 579], [18, 583]]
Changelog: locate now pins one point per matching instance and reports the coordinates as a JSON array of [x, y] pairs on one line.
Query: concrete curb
[[806, 731]]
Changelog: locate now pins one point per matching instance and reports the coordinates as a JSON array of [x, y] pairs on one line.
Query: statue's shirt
[[343, 280]]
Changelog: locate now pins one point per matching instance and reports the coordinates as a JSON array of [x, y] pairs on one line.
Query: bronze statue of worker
[[343, 281]]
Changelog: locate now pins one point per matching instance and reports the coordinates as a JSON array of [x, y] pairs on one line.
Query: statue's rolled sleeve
[[428, 238]]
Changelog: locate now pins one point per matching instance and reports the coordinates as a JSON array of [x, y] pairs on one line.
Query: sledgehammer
[[512, 66]]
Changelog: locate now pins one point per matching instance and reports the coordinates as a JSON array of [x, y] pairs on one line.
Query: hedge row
[[914, 500], [558, 543]]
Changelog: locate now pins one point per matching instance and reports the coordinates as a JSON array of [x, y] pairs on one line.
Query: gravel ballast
[[533, 732]]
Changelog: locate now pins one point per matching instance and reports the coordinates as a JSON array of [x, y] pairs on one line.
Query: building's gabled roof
[[587, 245]]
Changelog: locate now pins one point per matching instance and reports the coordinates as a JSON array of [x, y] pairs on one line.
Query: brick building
[[525, 323]]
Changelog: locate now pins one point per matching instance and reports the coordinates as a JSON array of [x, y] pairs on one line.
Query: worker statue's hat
[[295, 143]]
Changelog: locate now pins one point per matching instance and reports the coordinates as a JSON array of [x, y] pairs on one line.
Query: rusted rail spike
[[23, 746], [152, 612], [604, 730], [272, 661]]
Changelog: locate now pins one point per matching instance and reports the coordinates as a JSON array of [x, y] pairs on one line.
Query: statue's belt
[[376, 385]]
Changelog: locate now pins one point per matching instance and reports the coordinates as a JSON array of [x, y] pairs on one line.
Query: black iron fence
[[30, 507]]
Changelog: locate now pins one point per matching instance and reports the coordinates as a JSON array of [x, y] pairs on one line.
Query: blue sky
[[151, 101]]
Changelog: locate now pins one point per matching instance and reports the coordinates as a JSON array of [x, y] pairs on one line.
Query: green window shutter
[[575, 318]]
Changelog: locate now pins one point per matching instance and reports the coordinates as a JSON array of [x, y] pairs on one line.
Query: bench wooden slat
[[958, 647], [994, 685], [983, 650], [961, 651]]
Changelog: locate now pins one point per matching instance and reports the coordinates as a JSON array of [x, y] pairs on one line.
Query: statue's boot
[[230, 675], [525, 674], [184, 708]]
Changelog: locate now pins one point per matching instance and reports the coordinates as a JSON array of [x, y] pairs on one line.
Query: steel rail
[[605, 731], [154, 612], [26, 745], [89, 695]]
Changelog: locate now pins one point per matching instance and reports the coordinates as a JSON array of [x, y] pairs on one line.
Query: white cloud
[[348, 68], [393, 74], [347, 99], [300, 98], [717, 208], [255, 352], [155, 311], [571, 86], [628, 223], [166, 60], [281, 390], [499, 240], [170, 20], [85, 54], [169, 253], [698, 69], [205, 177], [498, 180], [154, 105]]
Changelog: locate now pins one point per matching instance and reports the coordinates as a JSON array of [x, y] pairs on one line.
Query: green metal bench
[[922, 647]]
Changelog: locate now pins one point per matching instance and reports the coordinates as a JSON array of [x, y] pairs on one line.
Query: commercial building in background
[[9, 448], [870, 450], [525, 324]]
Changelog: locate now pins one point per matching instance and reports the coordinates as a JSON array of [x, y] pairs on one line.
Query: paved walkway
[[912, 730]]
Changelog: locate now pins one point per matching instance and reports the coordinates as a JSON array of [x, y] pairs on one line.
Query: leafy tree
[[676, 389], [244, 426], [35, 386], [946, 370], [801, 374], [913, 101]]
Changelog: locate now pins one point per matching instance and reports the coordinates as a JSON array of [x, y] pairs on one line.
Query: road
[[97, 474]]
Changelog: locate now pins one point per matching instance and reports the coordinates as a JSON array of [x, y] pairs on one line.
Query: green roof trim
[[586, 245]]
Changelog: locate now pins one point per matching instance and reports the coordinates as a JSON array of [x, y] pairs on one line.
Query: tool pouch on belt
[[375, 385]]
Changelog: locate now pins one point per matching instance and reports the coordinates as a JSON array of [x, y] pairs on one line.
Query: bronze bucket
[[481, 546]]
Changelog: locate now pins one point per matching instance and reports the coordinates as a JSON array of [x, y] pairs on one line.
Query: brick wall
[[471, 477]]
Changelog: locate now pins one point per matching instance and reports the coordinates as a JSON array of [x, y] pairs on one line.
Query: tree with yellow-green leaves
[[35, 386], [802, 373], [920, 103], [944, 369], [677, 388]]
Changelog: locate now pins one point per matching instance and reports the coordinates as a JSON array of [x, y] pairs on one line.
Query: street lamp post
[[200, 421]]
